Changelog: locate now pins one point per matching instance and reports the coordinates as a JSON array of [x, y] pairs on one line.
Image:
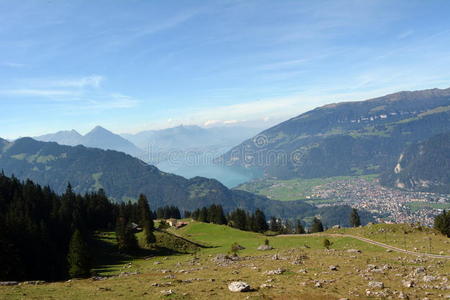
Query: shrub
[[327, 244]]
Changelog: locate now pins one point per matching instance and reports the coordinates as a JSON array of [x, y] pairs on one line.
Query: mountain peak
[[99, 129]]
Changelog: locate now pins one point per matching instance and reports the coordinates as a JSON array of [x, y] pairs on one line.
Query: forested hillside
[[124, 178], [348, 138], [423, 166]]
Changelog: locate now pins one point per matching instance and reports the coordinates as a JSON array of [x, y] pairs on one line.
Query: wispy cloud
[[12, 65], [119, 39], [283, 64], [88, 81], [405, 34], [91, 81], [37, 92]]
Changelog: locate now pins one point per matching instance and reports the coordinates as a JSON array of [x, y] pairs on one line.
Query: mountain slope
[[190, 137], [65, 137], [348, 138], [124, 177], [98, 137], [101, 138], [423, 166]]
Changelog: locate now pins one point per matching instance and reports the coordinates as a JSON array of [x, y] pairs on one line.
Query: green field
[[295, 189], [418, 205]]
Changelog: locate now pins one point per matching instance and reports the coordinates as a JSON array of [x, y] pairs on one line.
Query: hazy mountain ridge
[[125, 177], [347, 138], [64, 137], [190, 137], [98, 137], [423, 166]]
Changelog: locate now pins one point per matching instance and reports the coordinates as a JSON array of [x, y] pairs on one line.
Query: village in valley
[[387, 204]]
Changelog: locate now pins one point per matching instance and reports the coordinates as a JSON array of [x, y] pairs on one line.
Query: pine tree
[[299, 229], [78, 256], [260, 221], [145, 219], [316, 225], [203, 215], [355, 221], [126, 240], [442, 223]]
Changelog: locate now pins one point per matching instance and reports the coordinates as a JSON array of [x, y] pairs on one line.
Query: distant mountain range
[[423, 166], [184, 150], [124, 177], [348, 138], [190, 137], [98, 137]]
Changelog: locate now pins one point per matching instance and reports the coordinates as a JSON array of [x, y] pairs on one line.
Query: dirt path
[[369, 241]]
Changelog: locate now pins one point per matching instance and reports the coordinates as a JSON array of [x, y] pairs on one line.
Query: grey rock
[[167, 293], [429, 278], [353, 251], [239, 287], [264, 248], [278, 271], [376, 284], [8, 283], [408, 283]]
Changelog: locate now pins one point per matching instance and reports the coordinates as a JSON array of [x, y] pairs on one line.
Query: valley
[[362, 192]]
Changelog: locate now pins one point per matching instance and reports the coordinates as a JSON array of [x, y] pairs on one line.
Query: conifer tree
[[146, 220], [316, 225], [299, 229], [126, 240], [442, 223], [203, 215], [355, 221], [260, 221], [78, 256]]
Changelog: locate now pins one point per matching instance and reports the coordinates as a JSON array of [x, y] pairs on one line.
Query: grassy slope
[[403, 236], [347, 282]]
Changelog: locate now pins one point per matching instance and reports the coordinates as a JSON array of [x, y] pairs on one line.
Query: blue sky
[[132, 65]]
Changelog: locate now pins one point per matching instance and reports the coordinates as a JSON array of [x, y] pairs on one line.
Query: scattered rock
[[419, 270], [224, 260], [408, 283], [167, 293], [278, 271], [8, 283], [376, 284], [353, 251], [428, 278], [239, 286], [38, 282], [265, 286], [302, 271], [264, 248], [333, 268]]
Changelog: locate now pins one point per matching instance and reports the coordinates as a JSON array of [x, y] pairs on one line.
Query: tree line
[[47, 236]]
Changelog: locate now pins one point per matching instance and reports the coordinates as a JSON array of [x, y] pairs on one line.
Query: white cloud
[[88, 81]]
